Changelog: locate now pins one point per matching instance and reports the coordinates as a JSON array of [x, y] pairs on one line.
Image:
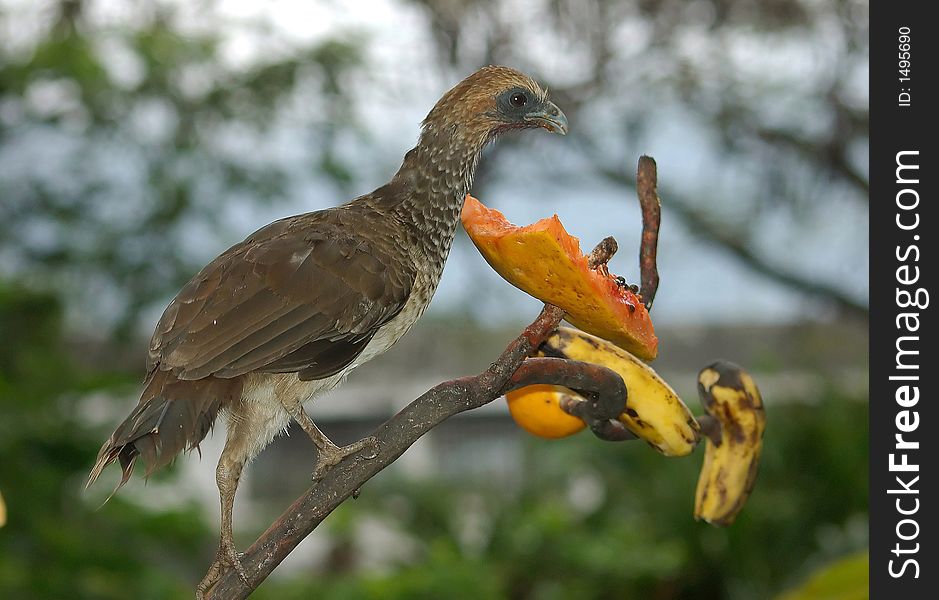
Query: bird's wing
[[304, 294]]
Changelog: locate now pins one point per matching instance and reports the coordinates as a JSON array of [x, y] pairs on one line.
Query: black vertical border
[[896, 128]]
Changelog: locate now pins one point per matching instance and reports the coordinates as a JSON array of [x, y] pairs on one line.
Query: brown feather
[[319, 359], [290, 292], [172, 416]]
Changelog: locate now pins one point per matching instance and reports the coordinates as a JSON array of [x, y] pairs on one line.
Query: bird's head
[[491, 101]]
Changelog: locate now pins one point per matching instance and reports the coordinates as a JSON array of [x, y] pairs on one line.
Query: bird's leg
[[227, 474], [329, 454]]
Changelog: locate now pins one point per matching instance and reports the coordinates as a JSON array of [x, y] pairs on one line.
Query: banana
[[654, 412], [734, 440]]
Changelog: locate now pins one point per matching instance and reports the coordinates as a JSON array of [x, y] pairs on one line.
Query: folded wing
[[304, 294]]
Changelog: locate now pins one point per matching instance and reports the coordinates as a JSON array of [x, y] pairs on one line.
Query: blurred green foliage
[[137, 131], [55, 544]]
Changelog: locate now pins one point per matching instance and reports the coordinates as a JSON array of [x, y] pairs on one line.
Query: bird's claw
[[226, 557], [332, 455]]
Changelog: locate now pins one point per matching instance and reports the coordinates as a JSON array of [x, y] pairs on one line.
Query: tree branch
[[726, 239], [604, 399], [646, 184], [604, 389], [731, 241]]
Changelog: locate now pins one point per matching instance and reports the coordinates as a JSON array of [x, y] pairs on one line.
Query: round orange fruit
[[537, 410]]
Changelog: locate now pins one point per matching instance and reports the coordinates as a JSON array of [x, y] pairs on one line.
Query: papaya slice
[[545, 261]]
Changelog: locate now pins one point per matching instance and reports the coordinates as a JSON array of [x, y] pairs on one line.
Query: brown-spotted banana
[[734, 431], [654, 412]]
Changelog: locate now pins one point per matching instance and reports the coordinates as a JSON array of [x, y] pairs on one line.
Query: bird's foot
[[227, 557], [331, 455]]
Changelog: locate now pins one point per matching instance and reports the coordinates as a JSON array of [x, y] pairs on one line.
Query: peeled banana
[[654, 412], [734, 431]]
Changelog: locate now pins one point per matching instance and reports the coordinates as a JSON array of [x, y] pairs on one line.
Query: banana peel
[[734, 430], [654, 412]]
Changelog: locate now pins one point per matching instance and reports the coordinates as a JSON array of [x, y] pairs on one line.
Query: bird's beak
[[550, 117]]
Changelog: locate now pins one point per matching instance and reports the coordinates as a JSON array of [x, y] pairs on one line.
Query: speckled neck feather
[[439, 171]]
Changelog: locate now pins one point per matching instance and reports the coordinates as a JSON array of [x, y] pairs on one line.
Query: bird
[[285, 315]]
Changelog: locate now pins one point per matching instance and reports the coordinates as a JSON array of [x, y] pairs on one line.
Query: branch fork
[[603, 390]]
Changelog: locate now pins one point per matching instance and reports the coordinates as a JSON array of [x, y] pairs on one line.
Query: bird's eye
[[518, 99]]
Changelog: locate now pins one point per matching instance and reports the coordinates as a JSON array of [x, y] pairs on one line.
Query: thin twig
[[646, 182], [602, 387], [602, 253], [736, 242], [603, 391]]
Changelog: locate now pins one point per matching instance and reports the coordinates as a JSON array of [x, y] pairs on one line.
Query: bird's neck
[[438, 173], [444, 159]]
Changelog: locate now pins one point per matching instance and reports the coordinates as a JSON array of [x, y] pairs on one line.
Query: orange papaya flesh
[[537, 409], [545, 261]]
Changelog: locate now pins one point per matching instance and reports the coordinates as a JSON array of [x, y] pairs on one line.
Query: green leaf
[[846, 579]]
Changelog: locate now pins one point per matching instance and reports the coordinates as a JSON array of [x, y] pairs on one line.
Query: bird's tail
[[173, 415]]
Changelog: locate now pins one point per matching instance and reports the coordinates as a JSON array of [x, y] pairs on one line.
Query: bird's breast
[[394, 330]]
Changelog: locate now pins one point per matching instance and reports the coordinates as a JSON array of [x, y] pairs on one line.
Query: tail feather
[[172, 416]]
